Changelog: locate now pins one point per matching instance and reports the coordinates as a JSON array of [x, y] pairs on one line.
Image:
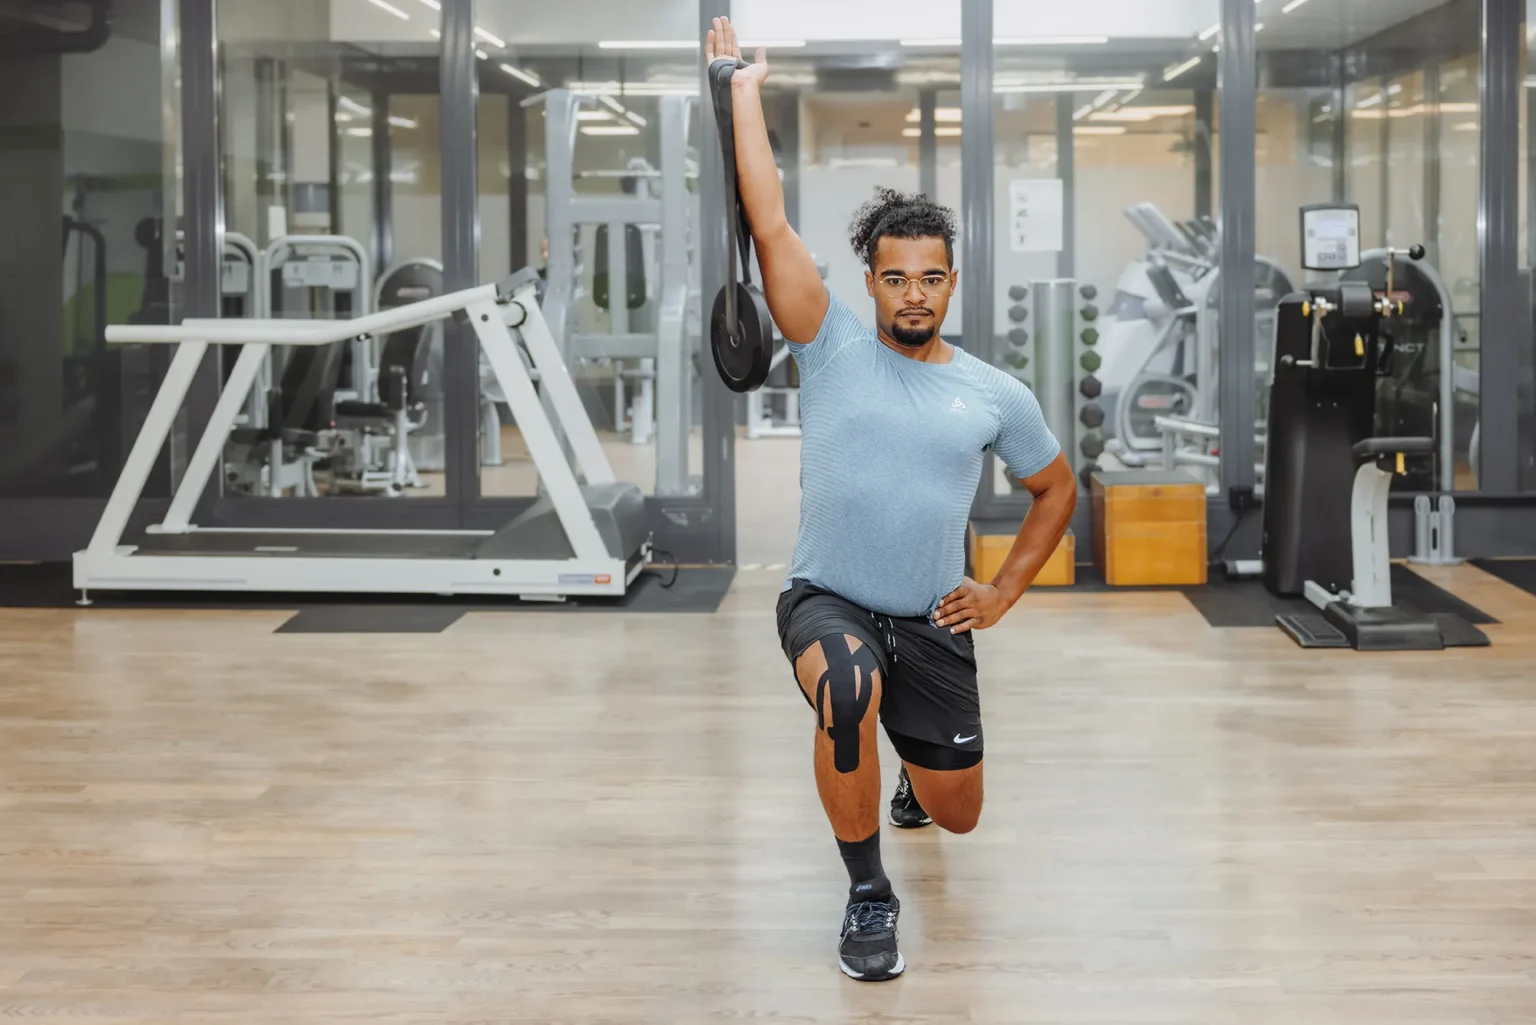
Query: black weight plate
[[742, 359]]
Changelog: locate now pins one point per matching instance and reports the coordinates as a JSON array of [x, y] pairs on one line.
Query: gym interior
[[324, 346]]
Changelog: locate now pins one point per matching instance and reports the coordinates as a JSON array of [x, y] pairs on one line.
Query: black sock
[[865, 874]]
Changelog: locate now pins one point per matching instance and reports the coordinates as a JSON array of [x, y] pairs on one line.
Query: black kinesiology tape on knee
[[850, 677]]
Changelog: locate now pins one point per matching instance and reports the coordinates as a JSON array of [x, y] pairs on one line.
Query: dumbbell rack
[[1059, 361]]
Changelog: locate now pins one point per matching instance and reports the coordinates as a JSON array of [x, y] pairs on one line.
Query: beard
[[914, 335]]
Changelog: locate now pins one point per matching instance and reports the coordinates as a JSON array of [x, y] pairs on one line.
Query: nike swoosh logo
[[965, 740]]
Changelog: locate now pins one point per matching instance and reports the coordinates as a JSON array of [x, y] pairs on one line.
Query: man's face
[[917, 271]]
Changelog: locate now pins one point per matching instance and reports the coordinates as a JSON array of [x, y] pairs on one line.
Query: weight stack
[[1088, 424], [1018, 357]]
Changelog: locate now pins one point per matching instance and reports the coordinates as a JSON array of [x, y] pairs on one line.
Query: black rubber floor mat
[[1247, 603], [50, 586], [372, 619], [1242, 604], [1457, 632], [1520, 572], [1411, 589]]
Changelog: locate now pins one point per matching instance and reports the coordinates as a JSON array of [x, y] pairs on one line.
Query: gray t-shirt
[[891, 454]]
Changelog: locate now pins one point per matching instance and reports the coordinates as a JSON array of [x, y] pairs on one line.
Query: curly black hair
[[898, 215]]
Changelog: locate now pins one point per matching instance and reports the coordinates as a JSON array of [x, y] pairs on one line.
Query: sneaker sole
[[901, 966], [910, 825]]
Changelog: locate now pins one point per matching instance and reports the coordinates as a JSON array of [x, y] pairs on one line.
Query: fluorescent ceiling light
[[1140, 113], [1099, 130], [1288, 8], [773, 44], [611, 103], [1258, 26], [1465, 126], [521, 75], [842, 162], [433, 4], [951, 42], [593, 115], [361, 133], [402, 122], [1208, 33], [635, 118], [1175, 70], [648, 44], [610, 130], [496, 41], [436, 34], [352, 105], [942, 131], [1079, 85], [391, 8], [941, 114], [482, 55]]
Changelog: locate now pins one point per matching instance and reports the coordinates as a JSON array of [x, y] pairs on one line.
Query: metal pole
[[719, 401], [458, 95], [517, 182], [1501, 302], [976, 177], [203, 205], [1340, 131], [1203, 108], [789, 155], [1432, 126], [383, 186], [1238, 139], [1066, 154], [1051, 304], [927, 145]]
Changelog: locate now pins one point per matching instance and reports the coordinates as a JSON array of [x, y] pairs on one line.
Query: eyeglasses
[[932, 285]]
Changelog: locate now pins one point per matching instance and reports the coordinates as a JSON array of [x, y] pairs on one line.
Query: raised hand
[[721, 42]]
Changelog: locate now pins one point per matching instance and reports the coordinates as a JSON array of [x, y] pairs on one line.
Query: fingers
[[967, 626], [709, 44], [734, 48], [761, 56]]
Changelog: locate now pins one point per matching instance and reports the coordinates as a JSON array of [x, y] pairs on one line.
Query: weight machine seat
[[618, 510], [1364, 450]]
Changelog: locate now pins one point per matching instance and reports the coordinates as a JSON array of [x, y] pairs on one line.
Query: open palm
[[721, 42]]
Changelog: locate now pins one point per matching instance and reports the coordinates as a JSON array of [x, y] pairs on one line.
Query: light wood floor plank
[[550, 818]]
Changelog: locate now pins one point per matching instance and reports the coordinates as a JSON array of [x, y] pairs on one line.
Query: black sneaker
[[905, 811], [868, 951]]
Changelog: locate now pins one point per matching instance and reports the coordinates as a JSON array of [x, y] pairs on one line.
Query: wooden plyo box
[[1149, 528], [989, 550]]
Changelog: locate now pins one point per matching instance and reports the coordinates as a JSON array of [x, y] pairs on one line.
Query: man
[[877, 616]]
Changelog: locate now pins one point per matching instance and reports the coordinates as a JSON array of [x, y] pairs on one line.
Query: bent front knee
[[960, 821]]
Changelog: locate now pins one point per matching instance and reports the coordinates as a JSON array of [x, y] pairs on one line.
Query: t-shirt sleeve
[[839, 327], [1024, 442]]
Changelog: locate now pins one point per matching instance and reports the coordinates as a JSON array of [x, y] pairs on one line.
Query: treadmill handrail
[[300, 332]]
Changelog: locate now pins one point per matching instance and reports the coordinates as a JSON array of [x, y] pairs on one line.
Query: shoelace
[[870, 916], [903, 788]]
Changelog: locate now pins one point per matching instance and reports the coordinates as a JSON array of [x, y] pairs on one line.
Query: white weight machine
[[576, 539]]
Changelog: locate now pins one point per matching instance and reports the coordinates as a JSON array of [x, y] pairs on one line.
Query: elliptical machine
[[1327, 475]]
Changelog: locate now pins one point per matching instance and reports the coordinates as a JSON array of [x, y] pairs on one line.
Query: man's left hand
[[971, 606]]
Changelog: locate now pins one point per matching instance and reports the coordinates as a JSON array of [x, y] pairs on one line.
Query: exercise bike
[[1328, 474]]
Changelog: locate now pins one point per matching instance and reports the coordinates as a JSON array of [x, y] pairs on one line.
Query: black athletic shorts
[[930, 704]]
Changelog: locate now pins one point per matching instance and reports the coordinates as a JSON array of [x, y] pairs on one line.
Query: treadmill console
[[1330, 236]]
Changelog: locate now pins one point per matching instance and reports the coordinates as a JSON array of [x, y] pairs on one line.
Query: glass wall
[[602, 145], [1103, 170], [87, 165], [1404, 83], [333, 177]]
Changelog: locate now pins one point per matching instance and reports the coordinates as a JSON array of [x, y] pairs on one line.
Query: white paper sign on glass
[[1035, 215]]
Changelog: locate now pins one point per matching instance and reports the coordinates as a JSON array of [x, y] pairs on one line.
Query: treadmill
[[584, 536]]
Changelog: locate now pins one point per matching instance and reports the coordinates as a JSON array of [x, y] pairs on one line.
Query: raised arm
[[796, 296]]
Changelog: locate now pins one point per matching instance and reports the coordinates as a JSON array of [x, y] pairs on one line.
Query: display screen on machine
[[1330, 237]]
